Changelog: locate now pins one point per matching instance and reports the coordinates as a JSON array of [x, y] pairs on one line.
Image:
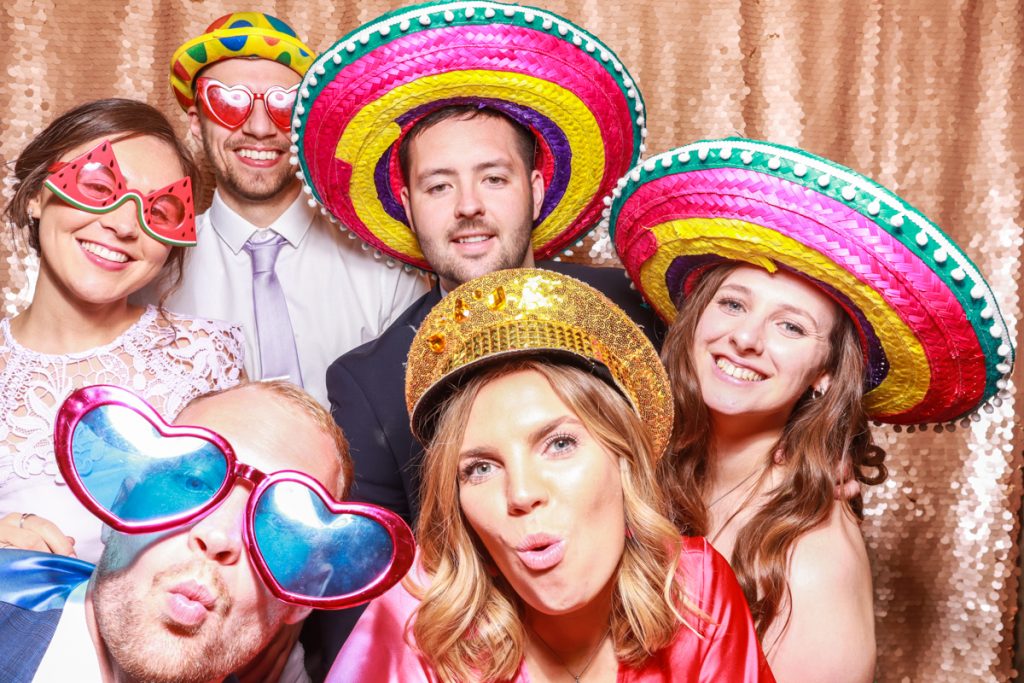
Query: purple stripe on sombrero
[[556, 140], [553, 136], [878, 259], [382, 180], [678, 280]]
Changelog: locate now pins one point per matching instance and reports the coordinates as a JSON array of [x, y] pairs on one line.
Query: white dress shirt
[[71, 654], [338, 295]]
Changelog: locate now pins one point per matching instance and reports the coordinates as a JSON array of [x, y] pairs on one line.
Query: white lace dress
[[168, 365]]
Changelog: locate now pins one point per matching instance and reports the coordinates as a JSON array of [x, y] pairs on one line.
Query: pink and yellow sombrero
[[239, 34], [935, 343], [362, 94]]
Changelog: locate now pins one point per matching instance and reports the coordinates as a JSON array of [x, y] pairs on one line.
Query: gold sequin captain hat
[[530, 312]]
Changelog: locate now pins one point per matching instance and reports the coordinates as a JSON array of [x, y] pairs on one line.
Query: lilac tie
[[274, 333]]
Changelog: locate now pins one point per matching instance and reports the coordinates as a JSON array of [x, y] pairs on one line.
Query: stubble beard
[[147, 650], [251, 187], [512, 253]]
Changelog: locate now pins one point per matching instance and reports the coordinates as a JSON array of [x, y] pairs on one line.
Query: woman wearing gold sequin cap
[[545, 551], [804, 300]]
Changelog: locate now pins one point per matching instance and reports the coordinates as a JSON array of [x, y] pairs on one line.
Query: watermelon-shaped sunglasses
[[93, 182]]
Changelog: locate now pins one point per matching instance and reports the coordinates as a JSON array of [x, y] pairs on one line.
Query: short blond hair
[[300, 399]]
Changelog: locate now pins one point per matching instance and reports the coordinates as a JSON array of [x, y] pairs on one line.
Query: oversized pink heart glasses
[[140, 475]]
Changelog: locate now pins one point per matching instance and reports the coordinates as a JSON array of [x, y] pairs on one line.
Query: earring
[[817, 393]]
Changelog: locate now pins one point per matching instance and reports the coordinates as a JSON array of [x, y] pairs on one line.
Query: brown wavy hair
[[469, 622], [114, 119], [826, 441]]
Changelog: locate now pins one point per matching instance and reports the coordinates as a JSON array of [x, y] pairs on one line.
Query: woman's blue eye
[[476, 471], [730, 305], [561, 443]]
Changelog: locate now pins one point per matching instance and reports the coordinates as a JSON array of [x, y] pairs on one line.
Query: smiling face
[[542, 494], [761, 343], [95, 259], [470, 198], [252, 162], [187, 605]]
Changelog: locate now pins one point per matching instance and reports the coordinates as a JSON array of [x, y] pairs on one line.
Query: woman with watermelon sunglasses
[[104, 197]]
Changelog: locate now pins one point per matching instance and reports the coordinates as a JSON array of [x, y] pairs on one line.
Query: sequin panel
[[924, 96]]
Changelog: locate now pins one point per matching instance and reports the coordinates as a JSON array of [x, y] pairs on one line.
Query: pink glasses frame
[[84, 400]]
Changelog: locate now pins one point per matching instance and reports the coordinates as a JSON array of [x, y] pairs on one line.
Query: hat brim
[[935, 343], [363, 93], [218, 45], [526, 312]]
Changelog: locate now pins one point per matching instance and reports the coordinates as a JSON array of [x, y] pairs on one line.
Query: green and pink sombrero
[[935, 343], [369, 88]]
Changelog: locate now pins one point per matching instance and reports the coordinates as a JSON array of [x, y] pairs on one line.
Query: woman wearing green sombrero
[[804, 300]]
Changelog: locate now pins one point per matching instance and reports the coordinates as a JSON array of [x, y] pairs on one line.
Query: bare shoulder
[[832, 558], [831, 602]]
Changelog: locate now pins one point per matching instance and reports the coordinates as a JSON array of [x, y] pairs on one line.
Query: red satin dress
[[727, 652]]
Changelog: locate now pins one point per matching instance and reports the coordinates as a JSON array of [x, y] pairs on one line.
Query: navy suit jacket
[[33, 590], [366, 387]]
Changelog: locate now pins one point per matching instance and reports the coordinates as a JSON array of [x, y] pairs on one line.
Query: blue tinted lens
[[314, 552], [136, 473]]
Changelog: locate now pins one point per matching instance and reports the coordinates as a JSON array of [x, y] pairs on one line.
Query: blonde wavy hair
[[468, 624]]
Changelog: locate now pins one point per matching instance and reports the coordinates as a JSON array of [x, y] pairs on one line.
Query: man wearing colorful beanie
[[266, 259]]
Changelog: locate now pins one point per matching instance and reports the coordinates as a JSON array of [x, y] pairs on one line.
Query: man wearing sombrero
[[459, 138], [302, 291]]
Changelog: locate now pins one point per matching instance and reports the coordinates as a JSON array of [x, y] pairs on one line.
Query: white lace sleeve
[[212, 351], [166, 360]]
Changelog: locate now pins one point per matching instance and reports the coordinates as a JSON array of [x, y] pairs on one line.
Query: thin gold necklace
[[742, 482], [739, 507], [565, 666]]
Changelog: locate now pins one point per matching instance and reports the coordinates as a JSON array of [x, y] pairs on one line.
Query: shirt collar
[[236, 231]]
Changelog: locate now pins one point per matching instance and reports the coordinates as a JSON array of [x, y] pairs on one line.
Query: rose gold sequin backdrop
[[927, 97]]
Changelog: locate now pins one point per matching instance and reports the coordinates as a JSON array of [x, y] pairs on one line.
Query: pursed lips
[[541, 551], [189, 602]]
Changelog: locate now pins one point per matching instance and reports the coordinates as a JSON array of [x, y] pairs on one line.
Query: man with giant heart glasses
[[302, 291], [224, 530]]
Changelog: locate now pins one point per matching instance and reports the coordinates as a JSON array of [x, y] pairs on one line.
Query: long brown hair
[[113, 118], [825, 441], [468, 624]]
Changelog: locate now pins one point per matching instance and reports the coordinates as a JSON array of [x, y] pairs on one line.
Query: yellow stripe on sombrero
[[902, 388], [365, 140]]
